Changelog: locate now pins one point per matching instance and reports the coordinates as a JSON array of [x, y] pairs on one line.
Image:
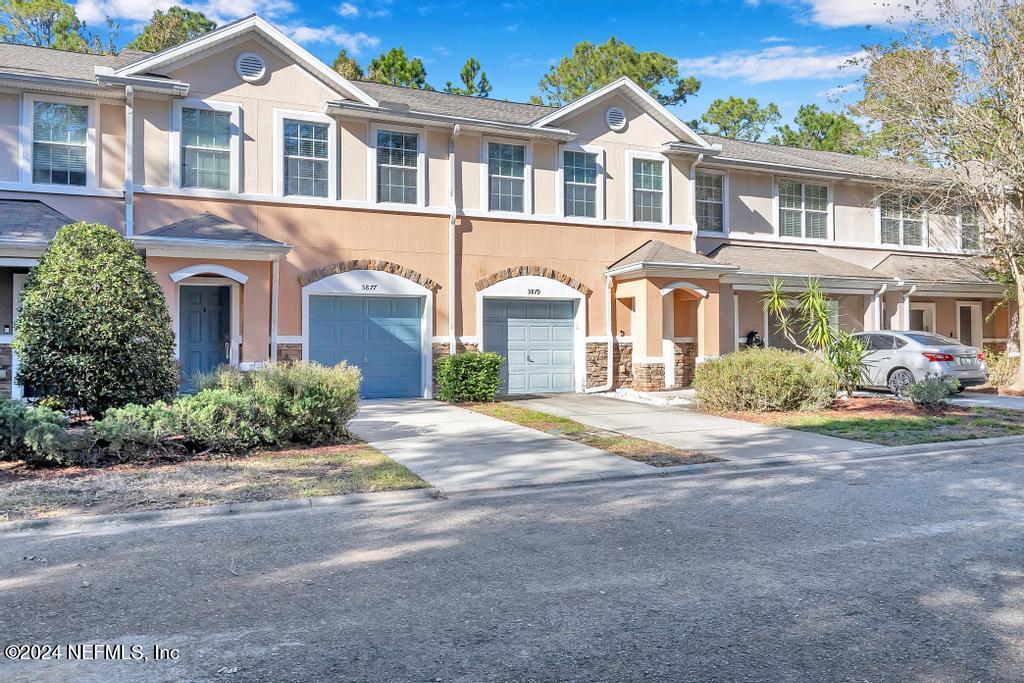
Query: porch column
[[716, 322]]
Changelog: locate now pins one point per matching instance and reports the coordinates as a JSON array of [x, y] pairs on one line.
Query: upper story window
[[970, 230], [397, 167], [580, 183], [205, 149], [903, 220], [306, 158], [60, 134], [648, 190], [803, 210], [506, 177], [710, 196]]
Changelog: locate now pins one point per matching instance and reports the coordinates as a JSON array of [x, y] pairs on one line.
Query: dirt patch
[[207, 480]]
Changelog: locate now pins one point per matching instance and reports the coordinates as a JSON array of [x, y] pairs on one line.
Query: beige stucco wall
[[110, 140], [10, 115], [354, 178], [750, 204], [853, 212]]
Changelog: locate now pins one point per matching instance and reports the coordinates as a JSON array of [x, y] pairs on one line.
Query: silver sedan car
[[895, 360]]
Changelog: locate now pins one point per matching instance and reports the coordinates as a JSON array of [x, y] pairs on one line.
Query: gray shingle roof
[[784, 261], [764, 152], [958, 270], [657, 252], [207, 226], [446, 104], [29, 220], [42, 61]]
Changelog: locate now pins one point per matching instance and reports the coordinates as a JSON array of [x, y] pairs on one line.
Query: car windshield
[[933, 340]]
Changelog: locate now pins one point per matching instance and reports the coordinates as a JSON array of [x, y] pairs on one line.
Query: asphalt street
[[907, 569]]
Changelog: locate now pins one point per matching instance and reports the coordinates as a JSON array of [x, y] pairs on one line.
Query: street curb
[[86, 522]]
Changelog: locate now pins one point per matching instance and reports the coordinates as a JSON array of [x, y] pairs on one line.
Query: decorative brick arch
[[317, 274], [519, 271]]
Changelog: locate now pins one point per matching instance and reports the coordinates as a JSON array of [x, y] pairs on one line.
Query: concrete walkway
[[459, 450], [685, 428]]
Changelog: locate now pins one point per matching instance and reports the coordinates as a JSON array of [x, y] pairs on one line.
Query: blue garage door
[[380, 335], [536, 339]]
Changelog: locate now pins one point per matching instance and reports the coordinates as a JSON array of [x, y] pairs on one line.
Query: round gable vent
[[250, 66], [615, 118]]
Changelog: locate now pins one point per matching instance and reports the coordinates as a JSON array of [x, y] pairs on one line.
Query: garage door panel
[[537, 340], [379, 335]]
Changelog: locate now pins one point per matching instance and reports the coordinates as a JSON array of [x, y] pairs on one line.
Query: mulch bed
[[866, 408]]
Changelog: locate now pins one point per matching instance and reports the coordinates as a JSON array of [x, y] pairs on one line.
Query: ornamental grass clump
[[765, 380]]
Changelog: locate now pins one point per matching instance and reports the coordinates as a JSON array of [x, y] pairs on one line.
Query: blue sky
[[782, 51]]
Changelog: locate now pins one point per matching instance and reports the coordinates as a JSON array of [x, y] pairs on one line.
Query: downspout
[[693, 191], [610, 331], [275, 279], [453, 211], [129, 161]]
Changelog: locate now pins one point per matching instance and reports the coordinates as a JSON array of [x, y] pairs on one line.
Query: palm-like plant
[[807, 325]]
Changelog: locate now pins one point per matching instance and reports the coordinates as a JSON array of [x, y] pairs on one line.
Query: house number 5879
[[533, 292]]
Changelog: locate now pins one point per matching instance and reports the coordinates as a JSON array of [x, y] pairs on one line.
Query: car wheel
[[899, 380]]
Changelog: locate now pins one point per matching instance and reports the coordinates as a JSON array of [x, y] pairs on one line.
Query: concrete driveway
[[456, 449], [685, 428]]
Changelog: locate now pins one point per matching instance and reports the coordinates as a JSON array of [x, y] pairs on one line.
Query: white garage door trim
[[377, 283], [541, 288]]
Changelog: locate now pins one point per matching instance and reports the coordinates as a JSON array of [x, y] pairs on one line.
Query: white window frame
[[485, 176], [666, 186], [332, 150], [694, 172], [234, 148], [421, 165], [599, 209], [25, 138], [925, 232], [829, 211], [960, 232]]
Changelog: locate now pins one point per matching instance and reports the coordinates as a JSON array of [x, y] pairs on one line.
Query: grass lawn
[[891, 423], [299, 473], [641, 450]]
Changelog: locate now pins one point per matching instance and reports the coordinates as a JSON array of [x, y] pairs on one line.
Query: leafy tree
[[474, 80], [948, 93], [823, 130], [48, 23], [591, 66], [347, 67], [395, 68], [735, 117], [93, 330], [170, 28]]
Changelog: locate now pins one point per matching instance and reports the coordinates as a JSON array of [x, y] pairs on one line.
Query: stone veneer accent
[[311, 276], [519, 271], [597, 364], [686, 361], [648, 376], [6, 383], [288, 352]]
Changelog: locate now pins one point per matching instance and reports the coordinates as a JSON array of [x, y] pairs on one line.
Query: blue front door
[[205, 316], [380, 335]]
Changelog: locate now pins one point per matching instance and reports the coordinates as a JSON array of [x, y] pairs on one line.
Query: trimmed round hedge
[[765, 380]]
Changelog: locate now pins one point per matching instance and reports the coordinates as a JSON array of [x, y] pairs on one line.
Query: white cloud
[[95, 12], [512, 28], [783, 62], [442, 50], [347, 9], [839, 91], [775, 39], [840, 13], [353, 43]]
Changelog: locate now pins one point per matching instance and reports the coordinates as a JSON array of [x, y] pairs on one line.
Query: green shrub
[[40, 436], [931, 391], [469, 376], [1002, 368], [138, 430], [764, 380], [304, 403], [93, 330], [222, 421]]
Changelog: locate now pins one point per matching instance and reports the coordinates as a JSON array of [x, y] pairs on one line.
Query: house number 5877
[[369, 288]]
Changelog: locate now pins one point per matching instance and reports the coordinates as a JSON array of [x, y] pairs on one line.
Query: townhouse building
[[290, 213]]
